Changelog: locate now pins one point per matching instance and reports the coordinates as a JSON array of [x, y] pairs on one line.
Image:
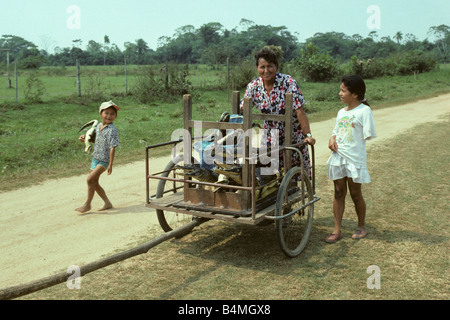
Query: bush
[[34, 89], [243, 75], [94, 89], [415, 61], [409, 62], [317, 66], [163, 84], [148, 85], [372, 68], [179, 83]]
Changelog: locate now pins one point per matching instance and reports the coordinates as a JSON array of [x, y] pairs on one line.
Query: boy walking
[[106, 141]]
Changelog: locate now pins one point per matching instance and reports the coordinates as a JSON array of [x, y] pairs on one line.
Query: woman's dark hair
[[355, 84], [267, 54]]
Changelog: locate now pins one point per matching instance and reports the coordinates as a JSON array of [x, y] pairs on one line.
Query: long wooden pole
[[24, 289]]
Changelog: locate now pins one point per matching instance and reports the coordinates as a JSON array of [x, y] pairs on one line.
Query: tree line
[[215, 45]]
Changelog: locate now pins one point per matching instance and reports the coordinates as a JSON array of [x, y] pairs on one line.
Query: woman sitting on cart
[[268, 93]]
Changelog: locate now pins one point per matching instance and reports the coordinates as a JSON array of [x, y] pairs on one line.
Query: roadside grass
[[407, 220], [381, 93], [39, 141]]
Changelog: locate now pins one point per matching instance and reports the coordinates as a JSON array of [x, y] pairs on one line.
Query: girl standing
[[347, 165]]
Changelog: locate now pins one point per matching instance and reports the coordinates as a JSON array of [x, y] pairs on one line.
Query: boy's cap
[[106, 105]]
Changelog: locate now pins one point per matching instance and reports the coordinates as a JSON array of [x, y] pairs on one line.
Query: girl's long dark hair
[[355, 84]]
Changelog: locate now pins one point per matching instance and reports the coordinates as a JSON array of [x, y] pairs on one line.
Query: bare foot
[[84, 208], [108, 205]]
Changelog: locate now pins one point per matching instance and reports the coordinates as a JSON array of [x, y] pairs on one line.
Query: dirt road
[[41, 234]]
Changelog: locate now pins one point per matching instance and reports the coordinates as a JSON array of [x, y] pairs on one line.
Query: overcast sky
[[51, 23]]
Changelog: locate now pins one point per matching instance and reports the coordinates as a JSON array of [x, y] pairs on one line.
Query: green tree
[[31, 59], [18, 47], [105, 48], [441, 35], [398, 37], [209, 33], [95, 51], [337, 44], [138, 52], [276, 36]]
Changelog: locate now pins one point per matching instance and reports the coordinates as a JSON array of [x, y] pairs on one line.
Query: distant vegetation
[[214, 45]]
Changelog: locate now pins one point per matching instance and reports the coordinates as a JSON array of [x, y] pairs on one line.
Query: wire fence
[[94, 81]]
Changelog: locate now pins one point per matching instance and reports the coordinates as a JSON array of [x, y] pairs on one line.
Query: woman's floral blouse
[[274, 103]]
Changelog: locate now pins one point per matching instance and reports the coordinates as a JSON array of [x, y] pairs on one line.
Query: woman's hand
[[332, 145], [311, 141], [82, 137]]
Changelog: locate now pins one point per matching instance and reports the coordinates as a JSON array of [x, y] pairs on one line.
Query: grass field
[[39, 141], [408, 241]]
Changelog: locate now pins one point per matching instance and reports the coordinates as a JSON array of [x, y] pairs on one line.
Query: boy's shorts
[[96, 163]]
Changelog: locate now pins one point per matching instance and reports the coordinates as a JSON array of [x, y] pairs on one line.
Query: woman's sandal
[[333, 238], [359, 234]]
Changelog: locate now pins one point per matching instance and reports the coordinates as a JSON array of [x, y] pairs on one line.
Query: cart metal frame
[[193, 198]]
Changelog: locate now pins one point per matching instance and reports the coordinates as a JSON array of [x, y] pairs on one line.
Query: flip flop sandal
[[333, 238], [359, 234]]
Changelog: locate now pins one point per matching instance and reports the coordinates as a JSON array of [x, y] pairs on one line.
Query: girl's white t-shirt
[[353, 128]]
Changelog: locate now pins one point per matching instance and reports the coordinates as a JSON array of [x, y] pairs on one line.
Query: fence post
[[228, 78], [15, 75], [126, 78], [7, 67], [167, 76], [78, 78]]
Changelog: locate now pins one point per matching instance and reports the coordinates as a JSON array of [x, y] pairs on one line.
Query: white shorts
[[339, 168]]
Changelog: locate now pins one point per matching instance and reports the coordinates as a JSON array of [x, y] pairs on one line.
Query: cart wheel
[[293, 232], [171, 220]]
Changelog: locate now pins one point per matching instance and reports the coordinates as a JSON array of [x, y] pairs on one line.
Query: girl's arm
[[112, 152], [332, 145]]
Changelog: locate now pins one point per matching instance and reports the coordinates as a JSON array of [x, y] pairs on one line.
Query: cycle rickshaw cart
[[290, 204]]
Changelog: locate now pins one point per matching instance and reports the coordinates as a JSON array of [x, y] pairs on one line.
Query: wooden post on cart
[[187, 135], [288, 131], [235, 107], [247, 125], [286, 117]]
